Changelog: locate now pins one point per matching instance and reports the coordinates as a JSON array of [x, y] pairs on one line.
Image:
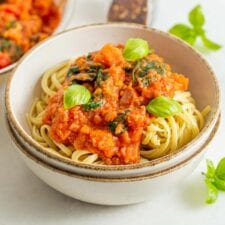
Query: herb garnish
[[191, 33], [135, 49], [214, 179], [163, 106], [153, 65], [100, 77], [120, 120], [75, 95], [94, 68], [11, 24], [134, 78], [91, 105], [12, 48], [90, 73], [73, 70], [4, 44], [142, 69]]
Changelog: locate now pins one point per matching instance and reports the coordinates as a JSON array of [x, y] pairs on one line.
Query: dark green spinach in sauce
[[120, 120]]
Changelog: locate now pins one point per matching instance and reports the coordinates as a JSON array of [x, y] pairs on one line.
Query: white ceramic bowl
[[79, 41], [110, 191], [67, 9]]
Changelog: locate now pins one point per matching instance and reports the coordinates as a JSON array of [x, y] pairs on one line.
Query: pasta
[[160, 136], [51, 82], [166, 135]]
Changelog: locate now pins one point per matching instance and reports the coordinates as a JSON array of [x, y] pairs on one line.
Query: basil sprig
[[214, 179], [135, 49], [191, 33], [76, 95], [164, 107]]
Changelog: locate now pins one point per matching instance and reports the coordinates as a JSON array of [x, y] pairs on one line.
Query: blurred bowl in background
[[67, 9]]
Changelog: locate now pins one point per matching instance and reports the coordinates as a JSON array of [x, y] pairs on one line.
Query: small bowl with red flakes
[[24, 24]]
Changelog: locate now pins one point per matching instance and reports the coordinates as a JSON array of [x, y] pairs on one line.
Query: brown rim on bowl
[[30, 141], [171, 169]]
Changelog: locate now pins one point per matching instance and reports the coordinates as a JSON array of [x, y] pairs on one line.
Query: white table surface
[[24, 199]]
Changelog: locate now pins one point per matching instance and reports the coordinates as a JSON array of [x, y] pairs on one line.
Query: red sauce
[[23, 23], [114, 130]]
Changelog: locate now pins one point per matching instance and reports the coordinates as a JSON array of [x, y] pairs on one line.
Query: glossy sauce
[[23, 23], [114, 130]]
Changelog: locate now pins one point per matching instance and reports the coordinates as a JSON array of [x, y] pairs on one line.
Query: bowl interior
[[24, 85]]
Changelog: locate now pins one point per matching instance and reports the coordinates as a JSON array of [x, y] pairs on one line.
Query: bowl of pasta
[[25, 23], [127, 102], [111, 191]]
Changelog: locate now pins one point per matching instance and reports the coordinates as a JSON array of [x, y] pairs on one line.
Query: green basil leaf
[[210, 169], [210, 44], [220, 169], [212, 192], [163, 107], [135, 49], [184, 32], [76, 95], [219, 183], [196, 16]]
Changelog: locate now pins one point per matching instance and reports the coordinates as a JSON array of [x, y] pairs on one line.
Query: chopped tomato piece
[[109, 55]]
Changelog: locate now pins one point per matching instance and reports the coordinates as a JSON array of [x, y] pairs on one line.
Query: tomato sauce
[[23, 23], [113, 130]]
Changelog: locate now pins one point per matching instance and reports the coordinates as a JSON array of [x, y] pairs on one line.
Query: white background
[[24, 199]]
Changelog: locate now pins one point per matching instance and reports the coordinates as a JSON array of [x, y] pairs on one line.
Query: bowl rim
[[31, 142], [163, 172], [67, 15]]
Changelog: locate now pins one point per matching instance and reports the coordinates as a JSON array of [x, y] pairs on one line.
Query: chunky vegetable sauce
[[112, 122], [23, 23]]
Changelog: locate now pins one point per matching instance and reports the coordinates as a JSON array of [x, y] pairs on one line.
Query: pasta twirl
[[112, 126]]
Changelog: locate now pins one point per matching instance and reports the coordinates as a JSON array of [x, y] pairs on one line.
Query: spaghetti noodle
[[153, 136]]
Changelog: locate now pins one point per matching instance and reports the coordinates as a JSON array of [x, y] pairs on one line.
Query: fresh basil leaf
[[76, 95], [219, 183], [210, 169], [210, 44], [184, 32], [220, 169], [196, 16], [212, 192], [189, 34], [199, 31], [135, 49], [163, 107]]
